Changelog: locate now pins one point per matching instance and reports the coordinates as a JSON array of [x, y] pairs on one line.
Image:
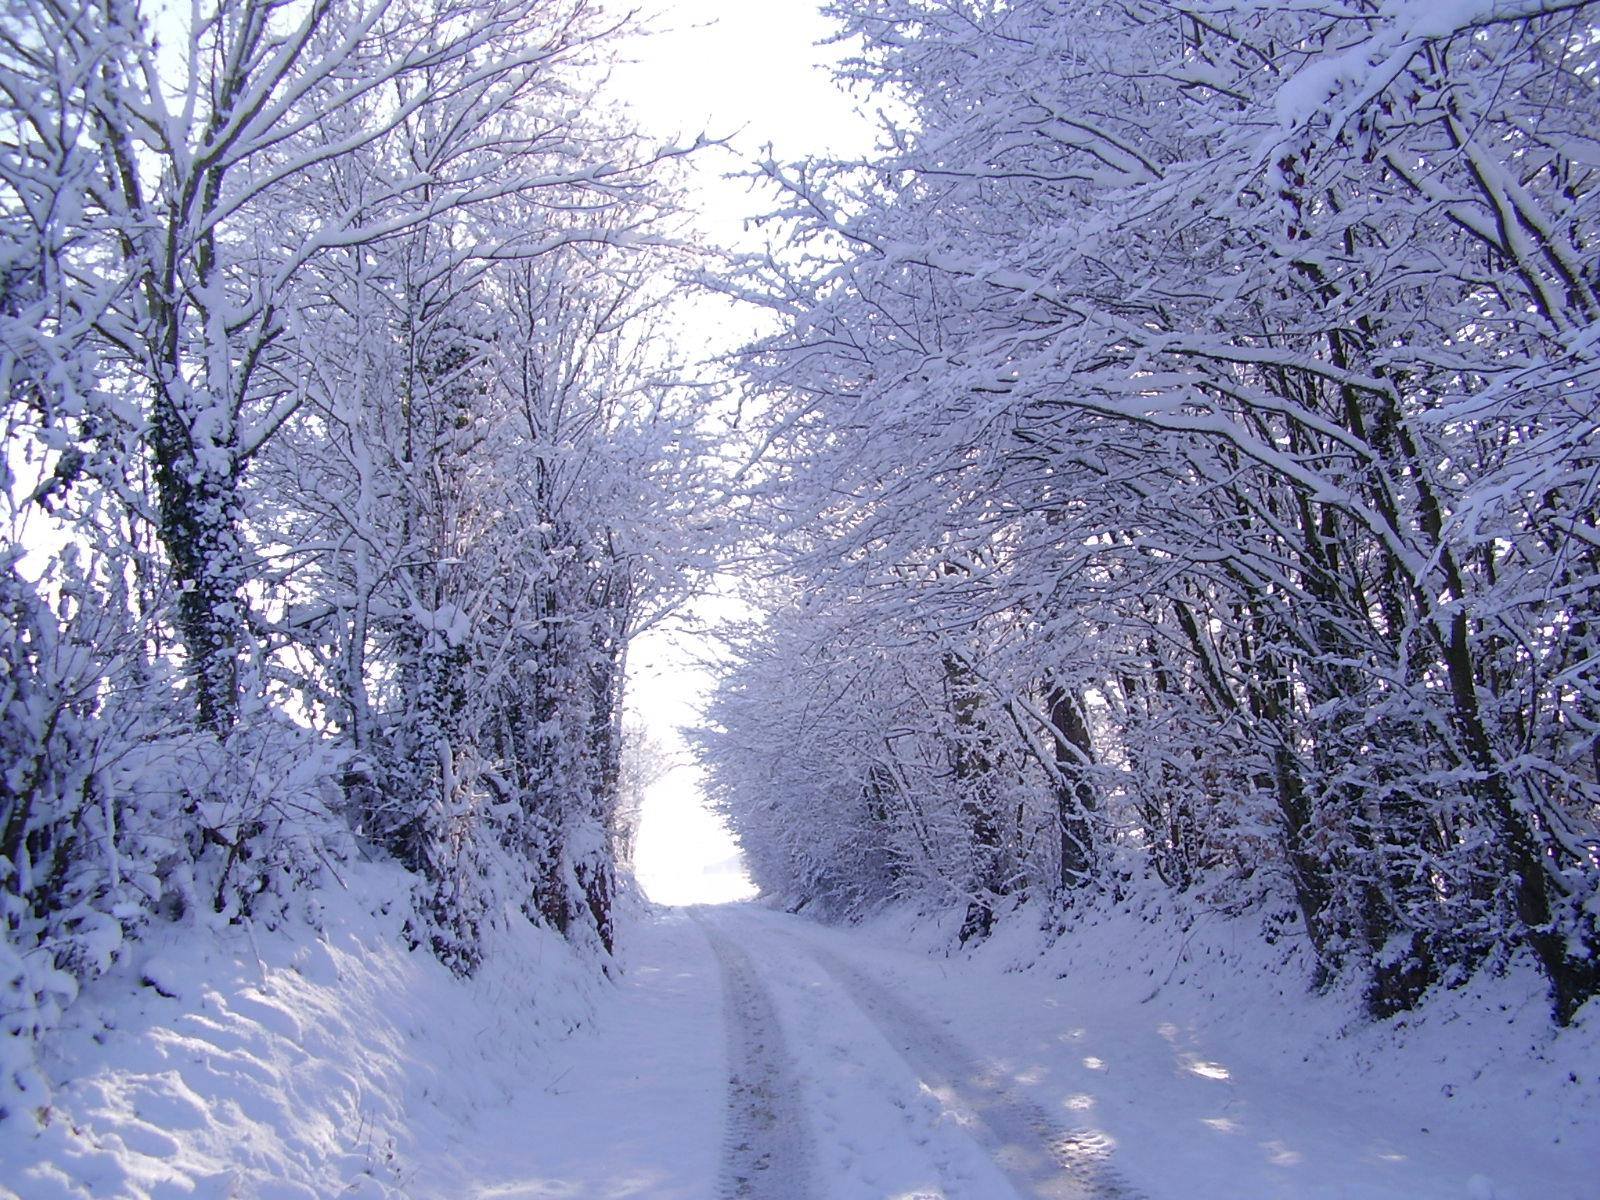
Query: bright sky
[[747, 70], [750, 70], [684, 853]]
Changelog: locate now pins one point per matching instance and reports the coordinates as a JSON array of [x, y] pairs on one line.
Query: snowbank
[[1479, 1066], [319, 1060]]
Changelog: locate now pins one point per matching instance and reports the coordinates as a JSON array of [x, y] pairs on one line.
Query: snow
[[947, 335], [291, 1065], [631, 1106], [448, 620], [1210, 1066], [1121, 1059]]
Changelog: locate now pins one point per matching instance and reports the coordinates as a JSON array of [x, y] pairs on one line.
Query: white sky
[[749, 70]]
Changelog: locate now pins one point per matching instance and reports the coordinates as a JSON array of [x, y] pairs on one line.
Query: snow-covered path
[[1040, 1156], [938, 1099], [748, 1053], [766, 1146]]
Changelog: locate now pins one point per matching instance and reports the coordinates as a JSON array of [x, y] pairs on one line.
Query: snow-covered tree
[[344, 457], [1213, 378]]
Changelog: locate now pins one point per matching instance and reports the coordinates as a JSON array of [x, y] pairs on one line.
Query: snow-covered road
[[751, 1054], [940, 1099], [1040, 1156], [767, 1157]]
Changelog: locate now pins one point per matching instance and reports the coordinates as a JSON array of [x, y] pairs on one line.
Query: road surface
[[746, 1054]]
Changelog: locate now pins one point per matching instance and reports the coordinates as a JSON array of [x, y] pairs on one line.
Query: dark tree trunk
[[1076, 801]]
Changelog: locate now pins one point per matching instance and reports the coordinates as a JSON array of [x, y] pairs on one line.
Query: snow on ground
[[865, 1064], [631, 1106], [221, 1062], [740, 1051], [1210, 1069]]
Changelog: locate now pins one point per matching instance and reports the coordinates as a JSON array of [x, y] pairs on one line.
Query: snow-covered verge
[[1478, 1074], [324, 1058]]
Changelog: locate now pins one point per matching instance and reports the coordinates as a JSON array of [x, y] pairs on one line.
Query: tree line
[[1178, 463], [345, 451]]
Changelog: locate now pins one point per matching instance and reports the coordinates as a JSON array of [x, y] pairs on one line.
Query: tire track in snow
[[1038, 1156], [767, 1153]]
